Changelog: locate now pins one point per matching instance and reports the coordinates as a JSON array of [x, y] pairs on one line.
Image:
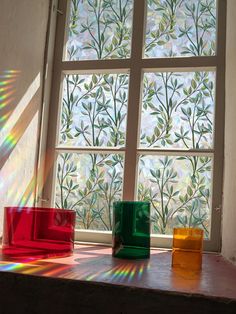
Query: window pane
[[94, 110], [180, 28], [179, 189], [178, 110], [99, 29], [89, 184]]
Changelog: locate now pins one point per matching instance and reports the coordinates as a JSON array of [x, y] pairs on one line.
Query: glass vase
[[187, 248], [131, 230], [38, 232]]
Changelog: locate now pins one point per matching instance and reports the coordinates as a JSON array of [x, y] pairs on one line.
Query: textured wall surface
[[23, 26], [229, 204]]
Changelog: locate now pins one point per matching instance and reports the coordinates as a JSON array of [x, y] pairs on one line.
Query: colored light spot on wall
[[7, 82], [5, 88], [5, 103], [12, 71], [11, 140], [6, 95], [5, 117]]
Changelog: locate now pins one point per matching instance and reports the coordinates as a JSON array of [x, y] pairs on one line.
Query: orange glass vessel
[[187, 248]]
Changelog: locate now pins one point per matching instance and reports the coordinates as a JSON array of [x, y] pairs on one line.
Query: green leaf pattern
[[180, 28], [177, 113], [99, 29]]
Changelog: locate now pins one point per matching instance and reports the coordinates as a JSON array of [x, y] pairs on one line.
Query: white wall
[[23, 26], [229, 204]]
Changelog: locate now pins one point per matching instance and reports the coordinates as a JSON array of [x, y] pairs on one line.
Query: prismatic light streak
[[9, 119], [5, 117], [7, 80], [10, 266], [126, 272], [12, 135], [11, 71], [30, 189], [5, 88], [6, 95], [28, 267], [5, 103], [42, 173]]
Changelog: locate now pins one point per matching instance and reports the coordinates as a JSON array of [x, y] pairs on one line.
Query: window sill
[[91, 276]]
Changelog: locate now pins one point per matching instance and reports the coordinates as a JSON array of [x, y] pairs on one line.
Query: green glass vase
[[131, 230]]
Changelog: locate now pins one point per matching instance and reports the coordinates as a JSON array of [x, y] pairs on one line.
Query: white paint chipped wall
[[23, 26], [229, 204]]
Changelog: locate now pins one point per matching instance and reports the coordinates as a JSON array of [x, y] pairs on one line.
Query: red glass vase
[[33, 232]]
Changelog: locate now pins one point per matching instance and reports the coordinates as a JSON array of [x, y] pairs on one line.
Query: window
[[137, 112]]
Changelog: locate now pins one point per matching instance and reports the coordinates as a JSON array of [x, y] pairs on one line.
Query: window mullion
[[88, 149], [177, 64], [134, 101], [176, 152], [96, 66]]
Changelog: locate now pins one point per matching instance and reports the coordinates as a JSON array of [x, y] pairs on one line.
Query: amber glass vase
[[131, 230], [187, 248]]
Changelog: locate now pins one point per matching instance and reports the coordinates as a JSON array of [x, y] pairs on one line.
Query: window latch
[[43, 200], [57, 10], [60, 12], [218, 208]]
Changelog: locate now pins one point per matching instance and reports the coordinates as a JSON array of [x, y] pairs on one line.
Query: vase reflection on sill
[[32, 232], [187, 248], [131, 230]]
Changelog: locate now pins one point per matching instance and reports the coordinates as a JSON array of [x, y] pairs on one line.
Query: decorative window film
[[139, 113], [180, 28], [99, 29]]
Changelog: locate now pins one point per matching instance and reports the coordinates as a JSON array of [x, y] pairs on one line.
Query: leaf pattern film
[[179, 189], [180, 28], [178, 110], [89, 184], [99, 29], [94, 110]]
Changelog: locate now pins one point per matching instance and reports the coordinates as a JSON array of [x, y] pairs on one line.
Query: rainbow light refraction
[[10, 134], [125, 272], [7, 90], [8, 79], [34, 268]]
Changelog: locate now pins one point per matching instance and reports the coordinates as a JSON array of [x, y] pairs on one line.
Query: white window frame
[[136, 66]]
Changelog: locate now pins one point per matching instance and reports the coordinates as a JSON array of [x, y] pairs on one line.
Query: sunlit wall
[[23, 26]]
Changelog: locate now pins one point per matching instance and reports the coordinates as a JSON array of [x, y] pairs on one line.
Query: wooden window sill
[[91, 276]]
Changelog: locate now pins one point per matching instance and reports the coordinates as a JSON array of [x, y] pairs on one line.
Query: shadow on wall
[[20, 102]]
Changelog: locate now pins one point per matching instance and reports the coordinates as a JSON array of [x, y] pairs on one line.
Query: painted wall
[[23, 27], [229, 204]]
